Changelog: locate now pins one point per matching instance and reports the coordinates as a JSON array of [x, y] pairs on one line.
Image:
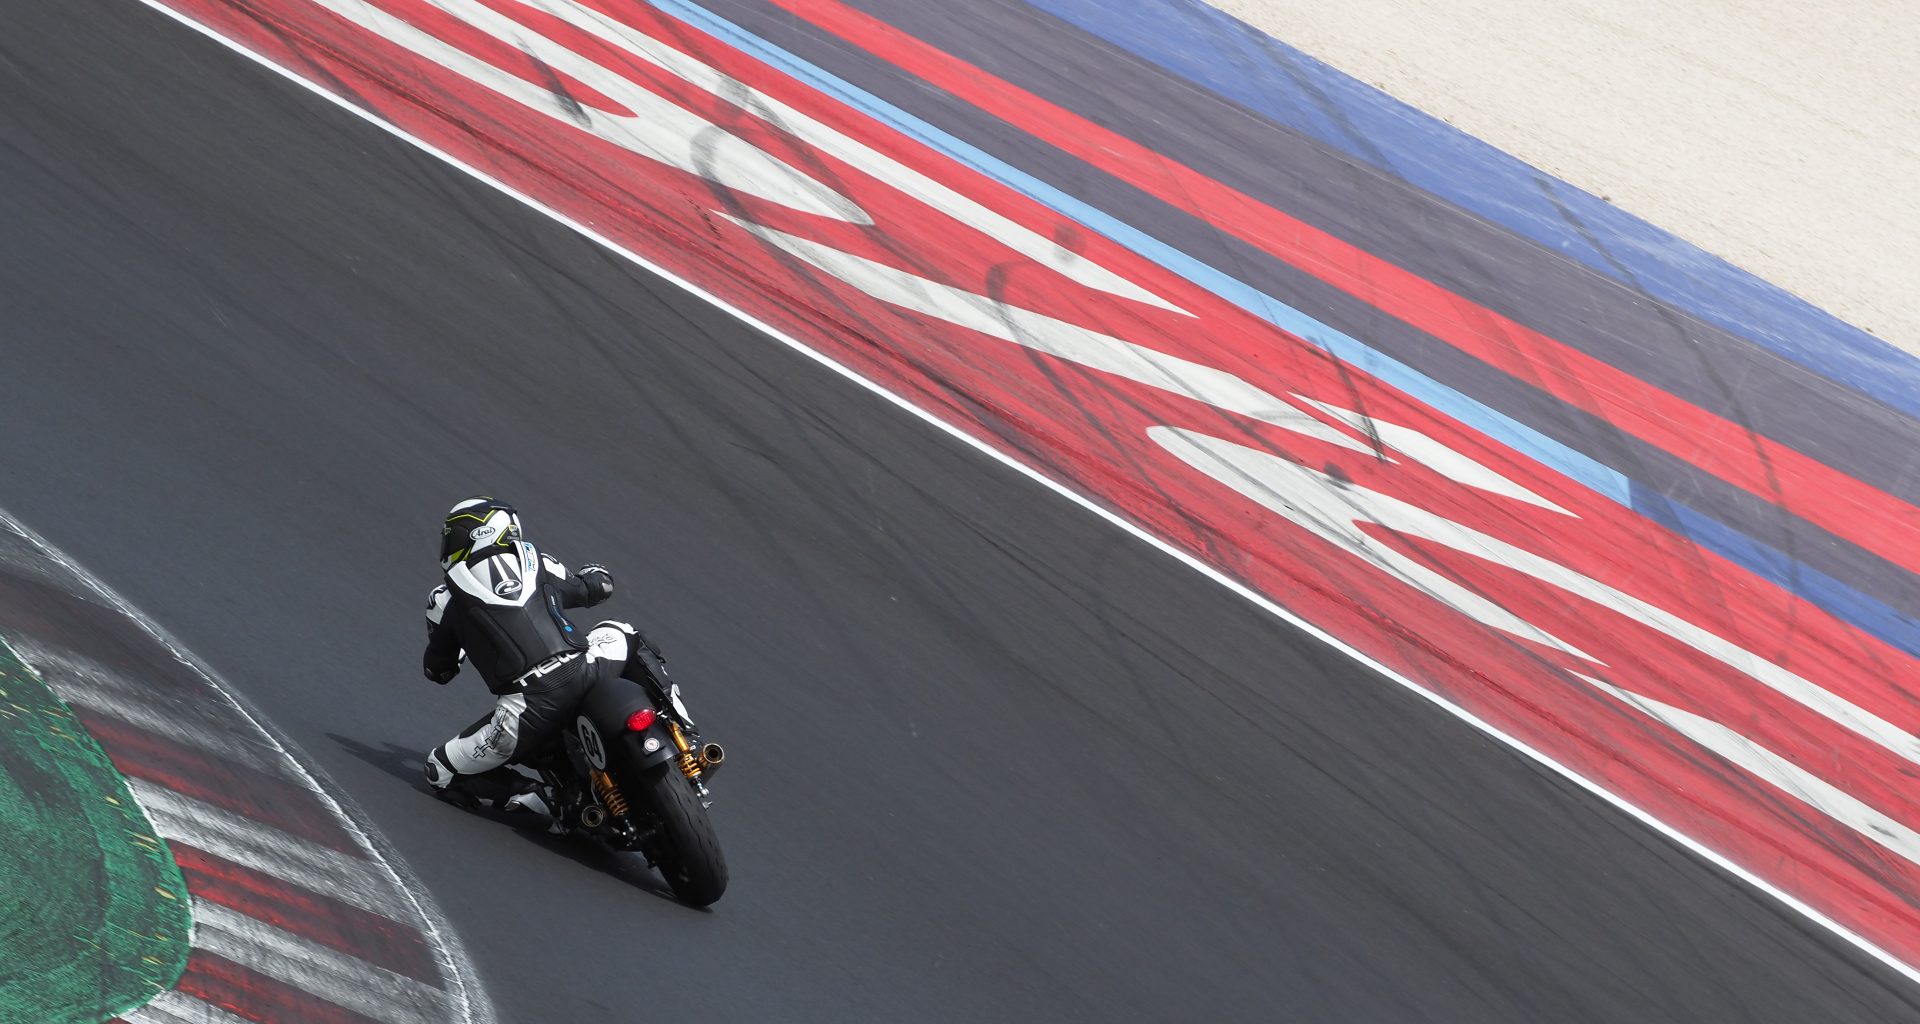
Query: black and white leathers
[[506, 612]]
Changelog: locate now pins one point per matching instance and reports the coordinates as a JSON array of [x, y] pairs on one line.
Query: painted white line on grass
[[1115, 519]]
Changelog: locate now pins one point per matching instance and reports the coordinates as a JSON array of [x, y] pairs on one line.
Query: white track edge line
[[85, 683], [465, 988], [1699, 849]]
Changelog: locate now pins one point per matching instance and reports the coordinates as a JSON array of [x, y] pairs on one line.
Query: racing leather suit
[[505, 613]]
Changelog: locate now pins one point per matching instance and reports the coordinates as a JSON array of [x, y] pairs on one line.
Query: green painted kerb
[[93, 912]]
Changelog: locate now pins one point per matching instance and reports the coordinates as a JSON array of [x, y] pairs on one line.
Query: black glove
[[599, 583], [443, 676]]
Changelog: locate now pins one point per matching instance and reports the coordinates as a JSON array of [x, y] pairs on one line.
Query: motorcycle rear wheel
[[687, 852]]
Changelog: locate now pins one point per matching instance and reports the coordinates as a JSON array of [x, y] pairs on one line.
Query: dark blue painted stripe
[[1265, 75], [1843, 602]]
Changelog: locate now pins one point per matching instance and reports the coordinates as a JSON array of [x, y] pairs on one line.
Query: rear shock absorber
[[689, 758], [608, 793]]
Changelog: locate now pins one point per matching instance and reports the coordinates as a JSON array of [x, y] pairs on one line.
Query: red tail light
[[639, 720]]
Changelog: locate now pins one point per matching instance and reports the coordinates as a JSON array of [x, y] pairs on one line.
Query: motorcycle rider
[[500, 605]]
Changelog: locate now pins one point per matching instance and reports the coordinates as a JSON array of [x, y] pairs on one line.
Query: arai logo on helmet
[[482, 535]]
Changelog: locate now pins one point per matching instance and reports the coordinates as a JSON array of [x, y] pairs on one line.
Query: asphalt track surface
[[993, 759]]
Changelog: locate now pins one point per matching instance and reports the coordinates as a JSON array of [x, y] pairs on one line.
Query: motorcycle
[[632, 774]]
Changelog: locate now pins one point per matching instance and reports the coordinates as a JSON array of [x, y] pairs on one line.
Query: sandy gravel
[[1784, 136]]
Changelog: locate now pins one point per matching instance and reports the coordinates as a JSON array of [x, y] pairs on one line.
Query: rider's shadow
[[627, 867], [403, 763], [397, 761]]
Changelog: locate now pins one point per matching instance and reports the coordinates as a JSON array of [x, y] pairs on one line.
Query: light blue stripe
[[1843, 601]]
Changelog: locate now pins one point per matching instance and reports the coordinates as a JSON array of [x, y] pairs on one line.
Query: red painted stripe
[[253, 996], [508, 58], [214, 780], [1809, 488], [311, 915]]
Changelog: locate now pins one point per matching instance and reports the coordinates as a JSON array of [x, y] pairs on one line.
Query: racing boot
[[534, 797], [449, 785], [500, 788]]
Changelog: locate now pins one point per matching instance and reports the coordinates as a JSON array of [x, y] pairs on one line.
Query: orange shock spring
[[689, 761], [609, 793]]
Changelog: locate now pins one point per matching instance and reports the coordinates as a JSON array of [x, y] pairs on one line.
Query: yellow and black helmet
[[473, 526]]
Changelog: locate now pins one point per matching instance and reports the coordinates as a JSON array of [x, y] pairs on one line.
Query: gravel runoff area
[[1782, 136]]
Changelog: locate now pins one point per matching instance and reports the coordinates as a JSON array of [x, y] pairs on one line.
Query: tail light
[[640, 720]]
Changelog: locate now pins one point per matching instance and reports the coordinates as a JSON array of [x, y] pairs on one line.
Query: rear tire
[[687, 852]]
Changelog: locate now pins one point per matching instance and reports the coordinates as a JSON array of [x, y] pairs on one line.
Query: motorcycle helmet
[[473, 526]]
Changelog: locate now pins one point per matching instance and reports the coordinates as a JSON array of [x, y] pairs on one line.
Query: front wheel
[[687, 851]]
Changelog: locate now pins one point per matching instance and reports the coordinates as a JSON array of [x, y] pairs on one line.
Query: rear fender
[[605, 711]]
